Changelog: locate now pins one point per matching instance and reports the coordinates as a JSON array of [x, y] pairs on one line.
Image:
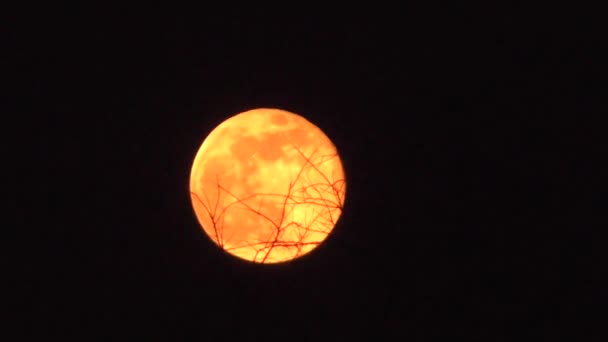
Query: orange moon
[[267, 185]]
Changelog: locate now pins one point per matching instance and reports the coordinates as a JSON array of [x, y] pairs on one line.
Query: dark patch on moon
[[271, 146], [244, 147], [279, 119]]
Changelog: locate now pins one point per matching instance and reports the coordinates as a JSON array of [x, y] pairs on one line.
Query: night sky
[[467, 136]]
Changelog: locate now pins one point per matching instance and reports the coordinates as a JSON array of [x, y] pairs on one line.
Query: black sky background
[[469, 139]]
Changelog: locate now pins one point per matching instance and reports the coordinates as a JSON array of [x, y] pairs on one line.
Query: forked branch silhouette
[[309, 209]]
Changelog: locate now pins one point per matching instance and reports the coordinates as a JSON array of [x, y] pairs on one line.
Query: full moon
[[267, 185]]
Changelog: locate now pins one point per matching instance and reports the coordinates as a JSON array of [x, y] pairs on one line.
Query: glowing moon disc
[[267, 185]]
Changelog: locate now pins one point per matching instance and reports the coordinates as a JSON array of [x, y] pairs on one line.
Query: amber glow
[[267, 185]]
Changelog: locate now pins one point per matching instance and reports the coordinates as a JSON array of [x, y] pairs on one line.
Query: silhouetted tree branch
[[321, 203]]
